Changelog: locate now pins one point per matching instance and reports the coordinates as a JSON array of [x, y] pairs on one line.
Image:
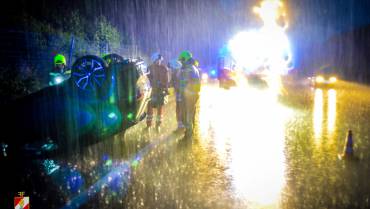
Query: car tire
[[90, 75]]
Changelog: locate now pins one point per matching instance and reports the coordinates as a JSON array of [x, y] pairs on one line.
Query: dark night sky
[[202, 26], [320, 19], [315, 21]]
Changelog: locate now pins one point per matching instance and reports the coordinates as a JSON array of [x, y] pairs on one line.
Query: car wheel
[[89, 73]]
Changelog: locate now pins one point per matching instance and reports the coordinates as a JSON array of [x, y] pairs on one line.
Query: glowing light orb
[[267, 47], [213, 72]]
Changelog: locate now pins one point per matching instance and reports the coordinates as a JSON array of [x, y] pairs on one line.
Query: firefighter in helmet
[[60, 72]]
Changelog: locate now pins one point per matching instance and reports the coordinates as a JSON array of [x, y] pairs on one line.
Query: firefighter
[[60, 71], [159, 80], [189, 88], [175, 67]]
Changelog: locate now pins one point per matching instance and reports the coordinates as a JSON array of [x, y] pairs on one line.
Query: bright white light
[[58, 80], [320, 79], [332, 79], [267, 47], [246, 48]]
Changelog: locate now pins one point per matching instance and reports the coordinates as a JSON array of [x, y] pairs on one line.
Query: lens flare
[[267, 47]]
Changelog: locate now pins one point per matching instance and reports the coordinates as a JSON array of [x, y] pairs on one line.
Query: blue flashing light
[[213, 72]]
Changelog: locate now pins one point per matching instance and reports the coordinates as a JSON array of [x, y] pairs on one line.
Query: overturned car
[[101, 98]]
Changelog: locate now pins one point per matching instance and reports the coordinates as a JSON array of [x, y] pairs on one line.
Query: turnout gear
[[175, 66], [159, 80], [189, 88], [59, 73]]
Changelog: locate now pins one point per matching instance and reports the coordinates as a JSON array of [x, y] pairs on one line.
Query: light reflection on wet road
[[247, 128], [254, 149], [325, 101]]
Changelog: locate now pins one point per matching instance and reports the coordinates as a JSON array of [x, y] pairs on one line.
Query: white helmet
[[156, 56], [175, 64]]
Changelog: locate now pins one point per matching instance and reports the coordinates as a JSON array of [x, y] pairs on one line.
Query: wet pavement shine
[[252, 148]]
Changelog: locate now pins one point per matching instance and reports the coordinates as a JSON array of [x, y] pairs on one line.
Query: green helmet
[[59, 59], [185, 56]]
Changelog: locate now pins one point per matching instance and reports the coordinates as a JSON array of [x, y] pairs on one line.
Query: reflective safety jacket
[[189, 79]]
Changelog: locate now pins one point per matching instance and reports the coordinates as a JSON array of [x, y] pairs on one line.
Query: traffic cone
[[348, 152]]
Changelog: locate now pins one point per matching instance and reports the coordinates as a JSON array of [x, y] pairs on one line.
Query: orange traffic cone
[[348, 152]]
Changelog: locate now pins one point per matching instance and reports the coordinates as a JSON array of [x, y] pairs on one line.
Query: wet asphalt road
[[253, 148]]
